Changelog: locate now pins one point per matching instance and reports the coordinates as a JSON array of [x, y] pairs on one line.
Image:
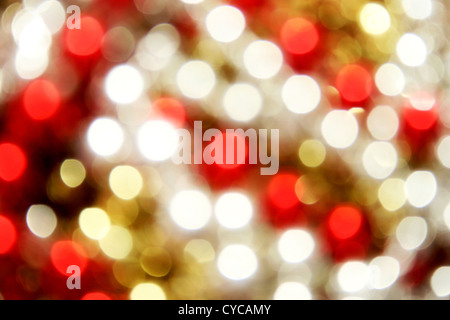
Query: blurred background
[[359, 209]]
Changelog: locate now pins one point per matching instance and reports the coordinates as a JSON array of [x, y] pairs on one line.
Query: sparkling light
[[147, 291], [301, 94], [375, 19], [263, 59], [412, 232], [41, 220], [443, 151], [383, 271], [233, 210], [353, 276], [124, 84], [94, 223], [296, 246], [105, 137], [196, 79], [117, 243], [299, 36], [30, 67], [418, 9], [440, 282], [411, 50], [31, 34], [190, 209], [225, 23], [383, 123], [53, 14], [421, 188], [292, 291], [242, 102], [237, 262], [126, 182], [390, 79], [380, 159], [340, 129], [157, 140], [392, 194], [72, 173]]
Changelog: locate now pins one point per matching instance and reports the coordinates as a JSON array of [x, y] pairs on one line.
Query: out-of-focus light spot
[[340, 129], [118, 44], [96, 296], [345, 221], [390, 79], [117, 243], [105, 137], [87, 40], [263, 59], [162, 41], [8, 235], [242, 102], [383, 123], [233, 210], [292, 291], [353, 276], [411, 50], [147, 291], [392, 194], [68, 253], [412, 232], [126, 182], [30, 67], [169, 109], [94, 223], [53, 14], [201, 250], [192, 1], [12, 162], [383, 272], [41, 99], [299, 36], [301, 94], [72, 173], [31, 34], [157, 140], [375, 19], [354, 83], [196, 79], [124, 84], [421, 111], [421, 188], [281, 190], [190, 209], [447, 215], [312, 153], [417, 9], [156, 261], [296, 246], [41, 220], [225, 23], [237, 262], [440, 282], [380, 159]]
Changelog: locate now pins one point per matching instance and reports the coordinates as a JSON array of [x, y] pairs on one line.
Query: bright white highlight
[[296, 246], [418, 9], [383, 123], [421, 188], [412, 232], [384, 271], [190, 209], [105, 137], [411, 50], [157, 140], [340, 129], [225, 23], [124, 84], [233, 210], [353, 276], [196, 79], [375, 19], [41, 220], [263, 59], [390, 79], [292, 291], [380, 159], [301, 94], [242, 102], [440, 282], [237, 262]]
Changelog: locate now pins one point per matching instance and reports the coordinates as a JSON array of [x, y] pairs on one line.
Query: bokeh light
[[299, 36], [13, 162], [41, 220], [190, 209], [295, 246], [237, 262], [8, 234]]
